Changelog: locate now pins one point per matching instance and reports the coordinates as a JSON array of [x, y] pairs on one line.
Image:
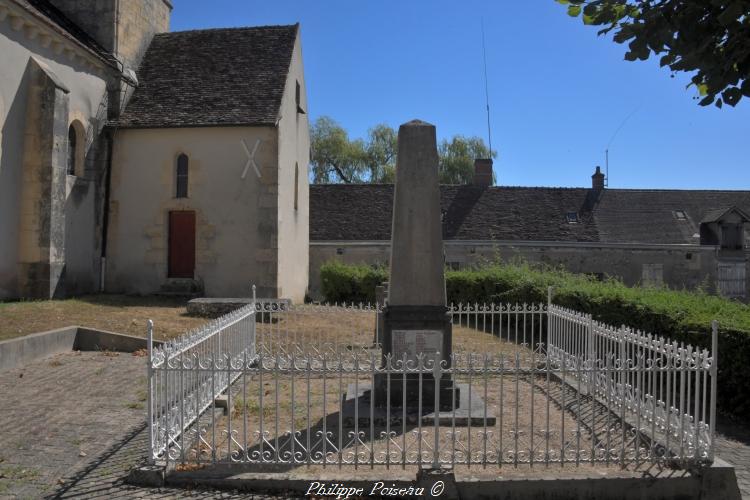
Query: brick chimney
[[597, 180], [483, 172]]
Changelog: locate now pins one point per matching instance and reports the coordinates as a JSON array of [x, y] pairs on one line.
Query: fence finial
[[150, 337]]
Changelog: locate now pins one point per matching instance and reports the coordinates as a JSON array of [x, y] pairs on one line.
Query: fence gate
[[731, 279]]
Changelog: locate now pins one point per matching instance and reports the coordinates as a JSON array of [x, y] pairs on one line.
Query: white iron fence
[[537, 384], [186, 375], [667, 388]]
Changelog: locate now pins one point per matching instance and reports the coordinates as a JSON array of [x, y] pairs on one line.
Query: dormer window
[[680, 215], [731, 236], [724, 228], [572, 217]]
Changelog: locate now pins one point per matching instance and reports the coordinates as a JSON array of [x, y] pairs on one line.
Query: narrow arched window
[[182, 176], [296, 184], [72, 149]]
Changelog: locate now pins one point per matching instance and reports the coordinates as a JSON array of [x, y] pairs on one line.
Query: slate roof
[[363, 213], [214, 77], [45, 10], [647, 216], [715, 215]]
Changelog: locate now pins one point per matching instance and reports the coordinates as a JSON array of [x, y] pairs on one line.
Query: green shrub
[[350, 283], [681, 315]]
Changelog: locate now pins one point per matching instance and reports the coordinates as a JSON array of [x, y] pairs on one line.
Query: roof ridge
[[229, 28], [674, 190]]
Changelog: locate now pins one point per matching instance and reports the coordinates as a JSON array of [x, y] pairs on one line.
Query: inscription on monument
[[412, 342]]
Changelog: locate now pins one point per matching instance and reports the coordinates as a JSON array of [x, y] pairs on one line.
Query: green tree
[[336, 158], [709, 38], [380, 153], [456, 157]]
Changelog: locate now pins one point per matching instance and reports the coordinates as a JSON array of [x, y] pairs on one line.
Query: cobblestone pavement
[[60, 412], [76, 428], [733, 445]]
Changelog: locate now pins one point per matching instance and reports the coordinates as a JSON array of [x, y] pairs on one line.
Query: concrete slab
[[214, 307]]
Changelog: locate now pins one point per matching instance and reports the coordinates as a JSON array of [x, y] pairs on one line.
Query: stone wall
[[137, 22], [236, 224], [679, 266], [95, 17], [123, 27], [29, 144], [293, 215], [41, 242]]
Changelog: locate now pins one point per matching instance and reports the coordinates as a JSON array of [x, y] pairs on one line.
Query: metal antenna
[[486, 91], [606, 150]]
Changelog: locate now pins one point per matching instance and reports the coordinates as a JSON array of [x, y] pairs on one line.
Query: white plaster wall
[[87, 86], [294, 148], [226, 205]]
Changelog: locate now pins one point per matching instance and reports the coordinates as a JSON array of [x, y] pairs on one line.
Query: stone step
[[181, 287]]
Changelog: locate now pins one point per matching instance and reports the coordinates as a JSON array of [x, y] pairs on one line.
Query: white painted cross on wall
[[250, 158]]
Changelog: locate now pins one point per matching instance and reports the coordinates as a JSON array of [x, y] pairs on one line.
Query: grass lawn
[[116, 313]]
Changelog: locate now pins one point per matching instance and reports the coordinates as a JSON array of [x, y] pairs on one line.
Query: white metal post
[[549, 319], [714, 365], [150, 402]]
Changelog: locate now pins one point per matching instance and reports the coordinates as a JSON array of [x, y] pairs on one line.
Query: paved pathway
[[733, 445], [58, 413], [75, 429]]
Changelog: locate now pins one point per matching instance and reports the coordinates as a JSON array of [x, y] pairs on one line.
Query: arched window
[[296, 184], [76, 143], [72, 149], [182, 176]]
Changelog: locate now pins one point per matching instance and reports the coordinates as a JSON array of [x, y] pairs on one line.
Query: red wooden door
[[181, 244]]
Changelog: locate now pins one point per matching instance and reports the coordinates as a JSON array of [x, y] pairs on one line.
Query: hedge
[[681, 315]]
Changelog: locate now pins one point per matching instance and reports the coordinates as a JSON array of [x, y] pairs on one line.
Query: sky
[[559, 94]]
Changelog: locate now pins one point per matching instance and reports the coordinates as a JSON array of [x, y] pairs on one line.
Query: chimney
[[597, 180], [483, 172]]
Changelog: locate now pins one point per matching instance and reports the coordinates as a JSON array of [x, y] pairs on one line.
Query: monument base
[[470, 411], [410, 392]]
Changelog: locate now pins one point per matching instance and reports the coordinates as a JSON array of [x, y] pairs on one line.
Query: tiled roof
[[233, 76], [648, 216], [363, 212]]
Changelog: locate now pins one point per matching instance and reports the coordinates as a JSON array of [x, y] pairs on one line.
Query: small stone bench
[[210, 307]]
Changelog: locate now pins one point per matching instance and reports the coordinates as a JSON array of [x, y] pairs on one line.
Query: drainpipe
[[105, 217]]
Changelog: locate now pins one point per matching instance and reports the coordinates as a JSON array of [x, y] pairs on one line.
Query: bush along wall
[[683, 316]]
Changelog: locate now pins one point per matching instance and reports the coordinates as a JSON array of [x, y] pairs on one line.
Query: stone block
[[148, 476]]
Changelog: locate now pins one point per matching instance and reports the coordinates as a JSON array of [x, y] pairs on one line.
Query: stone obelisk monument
[[416, 319]]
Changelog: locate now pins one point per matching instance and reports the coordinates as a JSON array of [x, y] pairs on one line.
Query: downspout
[[105, 219]]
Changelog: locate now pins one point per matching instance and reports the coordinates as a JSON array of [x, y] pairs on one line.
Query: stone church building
[[137, 160]]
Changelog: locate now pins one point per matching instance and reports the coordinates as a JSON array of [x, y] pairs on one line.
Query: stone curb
[[717, 482], [29, 348]]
